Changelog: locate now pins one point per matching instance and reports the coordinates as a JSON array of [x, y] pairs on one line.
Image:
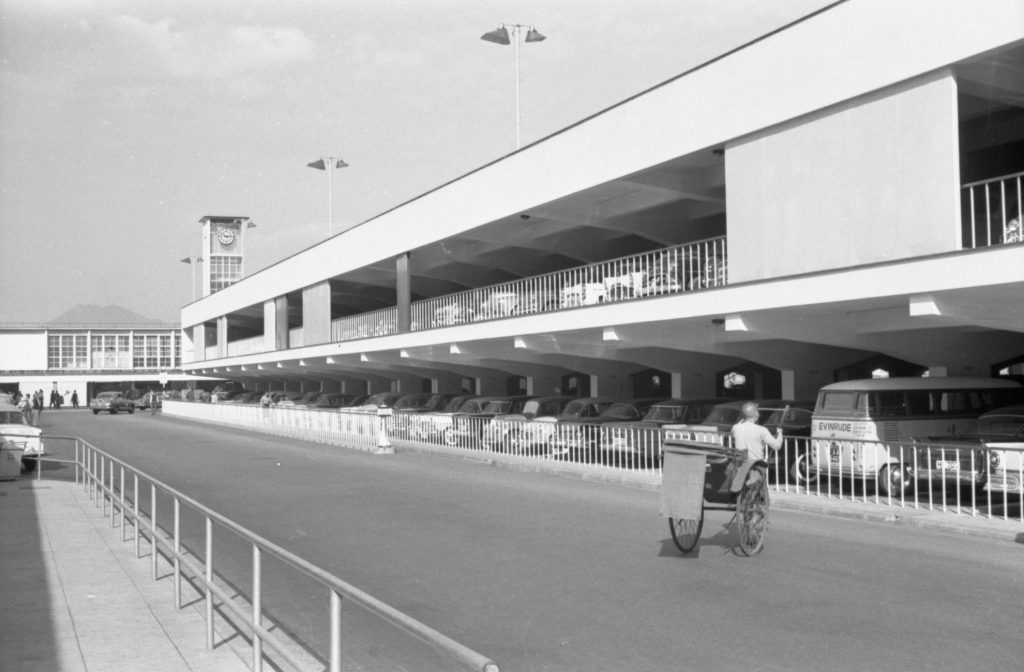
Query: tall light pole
[[501, 36], [192, 268], [329, 163]]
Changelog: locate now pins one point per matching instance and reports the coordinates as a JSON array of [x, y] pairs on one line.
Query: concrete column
[[316, 314], [222, 336], [281, 323], [788, 384], [403, 293], [677, 385], [938, 371], [198, 342], [269, 325], [595, 389]]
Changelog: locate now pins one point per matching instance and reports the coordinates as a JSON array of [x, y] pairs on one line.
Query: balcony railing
[[670, 270], [665, 271], [992, 211], [365, 325]]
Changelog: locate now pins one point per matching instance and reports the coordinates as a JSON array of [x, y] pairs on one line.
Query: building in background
[[91, 358]]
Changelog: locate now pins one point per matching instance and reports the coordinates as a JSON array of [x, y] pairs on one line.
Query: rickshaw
[[698, 476]]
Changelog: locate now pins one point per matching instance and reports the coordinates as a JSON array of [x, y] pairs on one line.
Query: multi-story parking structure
[[841, 195]]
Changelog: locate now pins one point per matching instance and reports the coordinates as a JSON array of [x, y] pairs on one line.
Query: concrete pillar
[[316, 314], [677, 385], [198, 343], [938, 371], [281, 323], [788, 384], [403, 293], [269, 326], [595, 389], [222, 336]]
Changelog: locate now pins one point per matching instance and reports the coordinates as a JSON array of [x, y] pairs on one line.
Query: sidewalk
[[75, 598]]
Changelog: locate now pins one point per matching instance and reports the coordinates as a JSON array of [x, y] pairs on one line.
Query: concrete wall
[[872, 180], [22, 351]]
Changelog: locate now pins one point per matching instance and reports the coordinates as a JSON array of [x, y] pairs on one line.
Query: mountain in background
[[101, 315]]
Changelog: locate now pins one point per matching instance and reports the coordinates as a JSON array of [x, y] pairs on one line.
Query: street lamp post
[[501, 36], [193, 262], [329, 163]]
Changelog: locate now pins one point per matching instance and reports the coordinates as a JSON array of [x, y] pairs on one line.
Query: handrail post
[[335, 631], [154, 551], [177, 553], [209, 582], [121, 510], [257, 608], [135, 508]]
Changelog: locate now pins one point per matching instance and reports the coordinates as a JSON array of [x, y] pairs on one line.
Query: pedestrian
[[37, 407], [750, 439], [25, 406], [74, 399]]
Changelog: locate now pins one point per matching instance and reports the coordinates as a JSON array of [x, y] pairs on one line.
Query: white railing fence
[[992, 211], [669, 270], [934, 476]]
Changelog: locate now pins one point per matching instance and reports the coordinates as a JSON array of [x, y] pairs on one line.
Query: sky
[[124, 122]]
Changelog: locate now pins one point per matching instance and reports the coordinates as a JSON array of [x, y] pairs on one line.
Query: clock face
[[226, 236]]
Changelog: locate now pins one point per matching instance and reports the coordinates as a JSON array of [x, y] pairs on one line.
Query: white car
[[18, 435]]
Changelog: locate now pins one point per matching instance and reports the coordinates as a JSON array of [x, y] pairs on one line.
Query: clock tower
[[223, 251]]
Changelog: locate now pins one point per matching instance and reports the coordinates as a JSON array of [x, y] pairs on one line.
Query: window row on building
[[113, 351]]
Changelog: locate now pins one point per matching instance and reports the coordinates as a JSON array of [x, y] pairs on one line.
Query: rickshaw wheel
[[686, 531], [752, 514]]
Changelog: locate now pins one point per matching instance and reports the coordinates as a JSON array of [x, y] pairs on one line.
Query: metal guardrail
[[992, 211], [981, 488], [669, 270], [104, 477]]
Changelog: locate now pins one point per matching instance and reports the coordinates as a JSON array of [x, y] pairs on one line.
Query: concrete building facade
[[841, 195]]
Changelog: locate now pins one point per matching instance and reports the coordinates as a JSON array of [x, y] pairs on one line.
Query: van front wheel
[[894, 480]]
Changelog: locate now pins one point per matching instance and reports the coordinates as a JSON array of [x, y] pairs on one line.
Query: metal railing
[[132, 498], [669, 270], [954, 478], [992, 211], [365, 325]]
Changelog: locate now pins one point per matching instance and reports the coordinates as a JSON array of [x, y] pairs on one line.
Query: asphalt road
[[544, 572]]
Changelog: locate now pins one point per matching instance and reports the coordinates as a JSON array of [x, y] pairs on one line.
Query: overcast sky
[[122, 123]]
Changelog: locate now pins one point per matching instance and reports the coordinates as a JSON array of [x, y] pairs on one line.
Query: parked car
[[334, 400], [224, 396], [245, 398], [991, 457], [638, 442], [112, 402], [141, 400], [21, 437], [535, 435], [304, 400], [578, 440], [422, 402], [430, 426], [381, 400], [505, 433], [794, 417], [468, 423]]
